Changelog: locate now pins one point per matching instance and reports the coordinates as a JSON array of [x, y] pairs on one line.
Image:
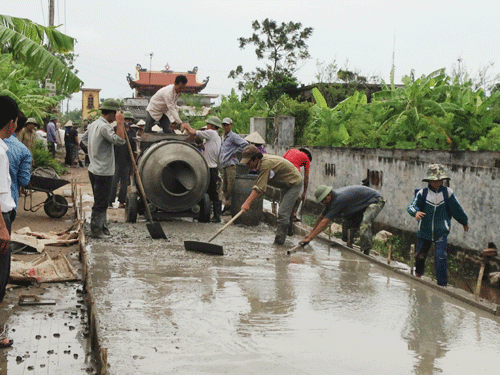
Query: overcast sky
[[115, 35]]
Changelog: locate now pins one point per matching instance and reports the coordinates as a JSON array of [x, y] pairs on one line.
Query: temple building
[[90, 102], [147, 82]]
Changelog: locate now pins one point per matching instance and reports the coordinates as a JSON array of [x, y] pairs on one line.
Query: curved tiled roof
[[155, 80]]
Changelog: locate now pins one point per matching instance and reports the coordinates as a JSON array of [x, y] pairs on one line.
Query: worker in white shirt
[[163, 105]]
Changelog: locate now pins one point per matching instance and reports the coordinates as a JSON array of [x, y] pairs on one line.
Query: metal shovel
[[154, 229], [207, 247]]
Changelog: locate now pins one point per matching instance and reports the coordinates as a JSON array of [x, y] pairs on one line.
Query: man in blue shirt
[[231, 144], [19, 162], [51, 136]]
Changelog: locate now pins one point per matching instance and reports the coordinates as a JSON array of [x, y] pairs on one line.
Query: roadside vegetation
[[43, 158], [437, 111]]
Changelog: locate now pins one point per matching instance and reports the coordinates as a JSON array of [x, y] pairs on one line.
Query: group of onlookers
[[15, 168]]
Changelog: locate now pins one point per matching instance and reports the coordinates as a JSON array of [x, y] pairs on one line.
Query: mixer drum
[[175, 175]]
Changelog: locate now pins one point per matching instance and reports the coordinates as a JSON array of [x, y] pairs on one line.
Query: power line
[[120, 83]]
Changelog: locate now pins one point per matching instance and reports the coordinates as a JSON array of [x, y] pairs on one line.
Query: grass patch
[[401, 252]]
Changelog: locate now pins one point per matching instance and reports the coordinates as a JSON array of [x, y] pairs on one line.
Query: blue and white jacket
[[438, 213]]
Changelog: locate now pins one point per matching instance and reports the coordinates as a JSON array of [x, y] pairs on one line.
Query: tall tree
[[25, 39], [284, 46]]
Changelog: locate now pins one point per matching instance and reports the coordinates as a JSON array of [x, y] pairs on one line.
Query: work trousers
[[5, 257], [288, 198], [67, 158], [101, 188], [440, 258], [365, 229], [51, 146], [212, 185], [122, 176], [228, 176], [164, 124]]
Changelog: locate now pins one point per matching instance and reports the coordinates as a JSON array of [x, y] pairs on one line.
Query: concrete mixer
[[175, 176]]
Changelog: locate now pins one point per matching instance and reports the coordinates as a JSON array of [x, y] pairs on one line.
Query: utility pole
[[51, 12]]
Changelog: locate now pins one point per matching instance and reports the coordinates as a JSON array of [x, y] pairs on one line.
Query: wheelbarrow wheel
[[131, 208], [56, 207]]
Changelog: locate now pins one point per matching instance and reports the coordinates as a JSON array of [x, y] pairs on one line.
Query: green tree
[[283, 46], [25, 39], [241, 110], [74, 115], [17, 81]]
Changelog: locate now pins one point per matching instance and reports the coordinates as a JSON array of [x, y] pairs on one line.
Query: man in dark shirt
[[73, 145], [348, 201], [123, 163]]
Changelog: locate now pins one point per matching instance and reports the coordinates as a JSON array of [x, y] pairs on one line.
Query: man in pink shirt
[[301, 157], [164, 104]]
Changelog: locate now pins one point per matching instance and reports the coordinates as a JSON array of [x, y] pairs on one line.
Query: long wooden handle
[[228, 224], [295, 248], [138, 178], [301, 208], [479, 281]]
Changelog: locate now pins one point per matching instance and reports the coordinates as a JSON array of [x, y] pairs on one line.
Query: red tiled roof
[[164, 79]]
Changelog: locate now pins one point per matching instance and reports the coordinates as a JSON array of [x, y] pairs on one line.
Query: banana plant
[[24, 39], [16, 81]]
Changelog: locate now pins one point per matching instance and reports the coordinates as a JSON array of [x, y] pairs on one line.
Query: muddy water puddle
[[256, 310]]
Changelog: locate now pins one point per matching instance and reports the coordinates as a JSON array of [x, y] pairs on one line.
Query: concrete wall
[[475, 178]]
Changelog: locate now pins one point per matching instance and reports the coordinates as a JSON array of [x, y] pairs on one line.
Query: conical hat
[[256, 138], [141, 122], [156, 128]]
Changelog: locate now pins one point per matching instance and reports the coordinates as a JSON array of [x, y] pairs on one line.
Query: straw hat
[[255, 138]]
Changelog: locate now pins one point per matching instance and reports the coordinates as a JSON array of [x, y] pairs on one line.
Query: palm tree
[[24, 39]]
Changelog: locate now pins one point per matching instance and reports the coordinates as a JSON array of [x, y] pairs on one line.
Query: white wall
[[477, 187]]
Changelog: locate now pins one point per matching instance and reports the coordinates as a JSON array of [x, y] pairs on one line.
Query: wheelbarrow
[[55, 206]]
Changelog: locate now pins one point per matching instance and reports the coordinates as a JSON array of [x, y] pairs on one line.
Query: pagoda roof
[[155, 80]]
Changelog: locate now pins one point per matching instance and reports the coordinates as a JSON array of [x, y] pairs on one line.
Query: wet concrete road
[[255, 310]]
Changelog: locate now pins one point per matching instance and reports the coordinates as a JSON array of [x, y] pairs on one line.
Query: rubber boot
[[96, 232], [97, 223], [281, 232], [217, 206], [105, 230]]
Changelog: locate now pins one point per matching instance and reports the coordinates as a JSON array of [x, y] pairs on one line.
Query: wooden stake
[[412, 258], [479, 281], [389, 254], [349, 243], [329, 239]]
